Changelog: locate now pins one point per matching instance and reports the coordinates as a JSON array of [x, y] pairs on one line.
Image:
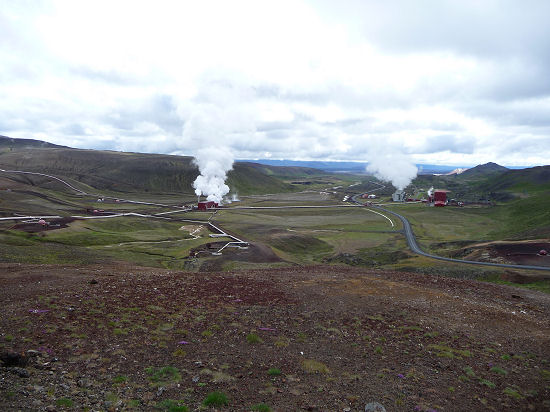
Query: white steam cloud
[[217, 122], [213, 163], [391, 165]]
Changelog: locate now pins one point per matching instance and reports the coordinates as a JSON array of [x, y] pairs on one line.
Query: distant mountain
[[333, 167], [483, 170], [350, 167]]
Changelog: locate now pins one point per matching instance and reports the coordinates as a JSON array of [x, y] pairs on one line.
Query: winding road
[[411, 241]]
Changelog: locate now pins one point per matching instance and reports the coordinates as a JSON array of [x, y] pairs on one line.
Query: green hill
[[484, 170], [9, 143], [127, 172]]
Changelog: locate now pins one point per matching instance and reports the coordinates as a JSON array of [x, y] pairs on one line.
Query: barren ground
[[335, 338]]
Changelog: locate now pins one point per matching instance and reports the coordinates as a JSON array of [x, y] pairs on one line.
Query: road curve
[[411, 240]]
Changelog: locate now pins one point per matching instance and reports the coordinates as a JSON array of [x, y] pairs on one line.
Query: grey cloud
[[160, 110], [434, 144]]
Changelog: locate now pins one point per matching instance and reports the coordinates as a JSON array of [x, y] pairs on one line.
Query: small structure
[[440, 198], [206, 205], [398, 196], [42, 222], [543, 252]]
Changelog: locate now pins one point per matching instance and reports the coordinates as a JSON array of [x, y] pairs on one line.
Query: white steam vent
[[213, 163], [392, 166]]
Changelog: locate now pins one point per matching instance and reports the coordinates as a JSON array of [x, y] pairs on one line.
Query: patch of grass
[[545, 374], [378, 350], [120, 379], [282, 342], [313, 366], [163, 375], [179, 352], [512, 393], [448, 352], [498, 370], [216, 399], [64, 402], [8, 338], [207, 333], [469, 372], [260, 407], [170, 405], [431, 334], [506, 357], [274, 372], [540, 285], [487, 383], [253, 338]]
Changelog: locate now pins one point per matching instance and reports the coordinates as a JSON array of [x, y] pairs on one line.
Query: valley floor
[[326, 338]]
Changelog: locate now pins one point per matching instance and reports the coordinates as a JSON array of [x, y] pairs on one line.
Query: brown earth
[[53, 224], [519, 253], [341, 337]]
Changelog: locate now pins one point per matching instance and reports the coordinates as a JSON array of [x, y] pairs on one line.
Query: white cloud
[[448, 82]]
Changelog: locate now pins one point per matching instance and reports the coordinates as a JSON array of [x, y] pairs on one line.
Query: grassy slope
[[128, 172]]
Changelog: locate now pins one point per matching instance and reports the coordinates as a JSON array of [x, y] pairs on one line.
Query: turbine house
[[206, 205], [398, 196], [440, 198]]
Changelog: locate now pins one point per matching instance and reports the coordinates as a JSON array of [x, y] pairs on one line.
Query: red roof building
[[206, 205], [440, 198]]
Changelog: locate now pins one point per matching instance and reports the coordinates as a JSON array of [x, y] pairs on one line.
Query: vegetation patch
[[448, 352], [314, 366], [166, 374], [253, 339], [216, 399]]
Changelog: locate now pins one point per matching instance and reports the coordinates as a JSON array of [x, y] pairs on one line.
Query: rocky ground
[[302, 338]]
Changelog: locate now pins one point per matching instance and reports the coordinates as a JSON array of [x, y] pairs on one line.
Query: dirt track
[[341, 337]]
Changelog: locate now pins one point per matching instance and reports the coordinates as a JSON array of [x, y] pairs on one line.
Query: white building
[[398, 196]]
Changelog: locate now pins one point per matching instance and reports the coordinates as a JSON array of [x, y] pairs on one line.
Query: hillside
[[329, 338], [534, 178], [8, 144], [483, 170], [126, 172]]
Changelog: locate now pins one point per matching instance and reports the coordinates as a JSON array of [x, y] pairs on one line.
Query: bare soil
[[519, 253], [340, 337], [53, 224]]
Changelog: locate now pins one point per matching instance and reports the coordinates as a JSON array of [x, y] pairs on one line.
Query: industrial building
[[207, 205], [398, 196], [440, 198]]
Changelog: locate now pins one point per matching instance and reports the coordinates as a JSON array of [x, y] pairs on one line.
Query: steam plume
[[213, 163], [392, 166], [219, 119]]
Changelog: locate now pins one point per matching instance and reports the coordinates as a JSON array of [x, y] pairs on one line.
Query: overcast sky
[[444, 82]]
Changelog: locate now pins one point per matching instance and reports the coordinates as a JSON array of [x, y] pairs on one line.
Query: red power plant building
[[440, 198], [206, 205]]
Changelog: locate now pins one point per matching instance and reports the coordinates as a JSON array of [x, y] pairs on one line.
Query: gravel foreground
[[321, 338]]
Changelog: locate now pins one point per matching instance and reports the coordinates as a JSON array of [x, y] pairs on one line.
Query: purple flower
[[268, 329], [401, 376], [183, 342]]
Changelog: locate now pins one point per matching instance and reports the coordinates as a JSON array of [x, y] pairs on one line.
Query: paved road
[[411, 240]]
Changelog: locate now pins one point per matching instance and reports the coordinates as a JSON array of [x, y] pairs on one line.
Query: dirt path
[[302, 338]]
